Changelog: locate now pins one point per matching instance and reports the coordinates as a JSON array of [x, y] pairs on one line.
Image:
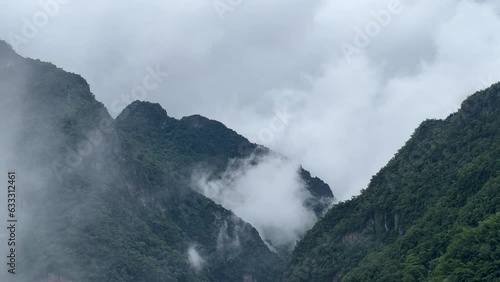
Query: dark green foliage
[[472, 255], [410, 223]]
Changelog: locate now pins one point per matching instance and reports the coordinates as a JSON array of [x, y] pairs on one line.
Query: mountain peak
[[152, 112], [482, 102]]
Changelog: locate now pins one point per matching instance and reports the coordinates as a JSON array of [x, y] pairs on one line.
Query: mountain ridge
[[443, 180]]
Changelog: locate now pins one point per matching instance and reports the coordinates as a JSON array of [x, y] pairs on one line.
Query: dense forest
[[428, 215]]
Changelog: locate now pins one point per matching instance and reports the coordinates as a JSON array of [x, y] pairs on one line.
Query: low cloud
[[266, 192], [224, 240], [195, 259]]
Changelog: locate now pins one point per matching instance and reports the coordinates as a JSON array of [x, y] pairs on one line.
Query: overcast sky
[[337, 85]]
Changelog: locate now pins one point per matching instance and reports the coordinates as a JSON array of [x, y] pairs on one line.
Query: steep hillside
[[429, 215], [110, 201]]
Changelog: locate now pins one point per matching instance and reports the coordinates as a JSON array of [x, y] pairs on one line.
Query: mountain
[[101, 199], [180, 145], [431, 214]]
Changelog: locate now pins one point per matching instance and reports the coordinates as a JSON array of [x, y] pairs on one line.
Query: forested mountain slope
[[106, 200], [431, 214], [180, 145]]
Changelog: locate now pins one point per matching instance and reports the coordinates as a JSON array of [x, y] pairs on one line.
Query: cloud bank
[[266, 192]]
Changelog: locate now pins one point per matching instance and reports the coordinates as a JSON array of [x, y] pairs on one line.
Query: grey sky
[[243, 61]]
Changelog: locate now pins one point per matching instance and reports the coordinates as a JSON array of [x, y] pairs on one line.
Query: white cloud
[[227, 242], [269, 195], [195, 259]]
